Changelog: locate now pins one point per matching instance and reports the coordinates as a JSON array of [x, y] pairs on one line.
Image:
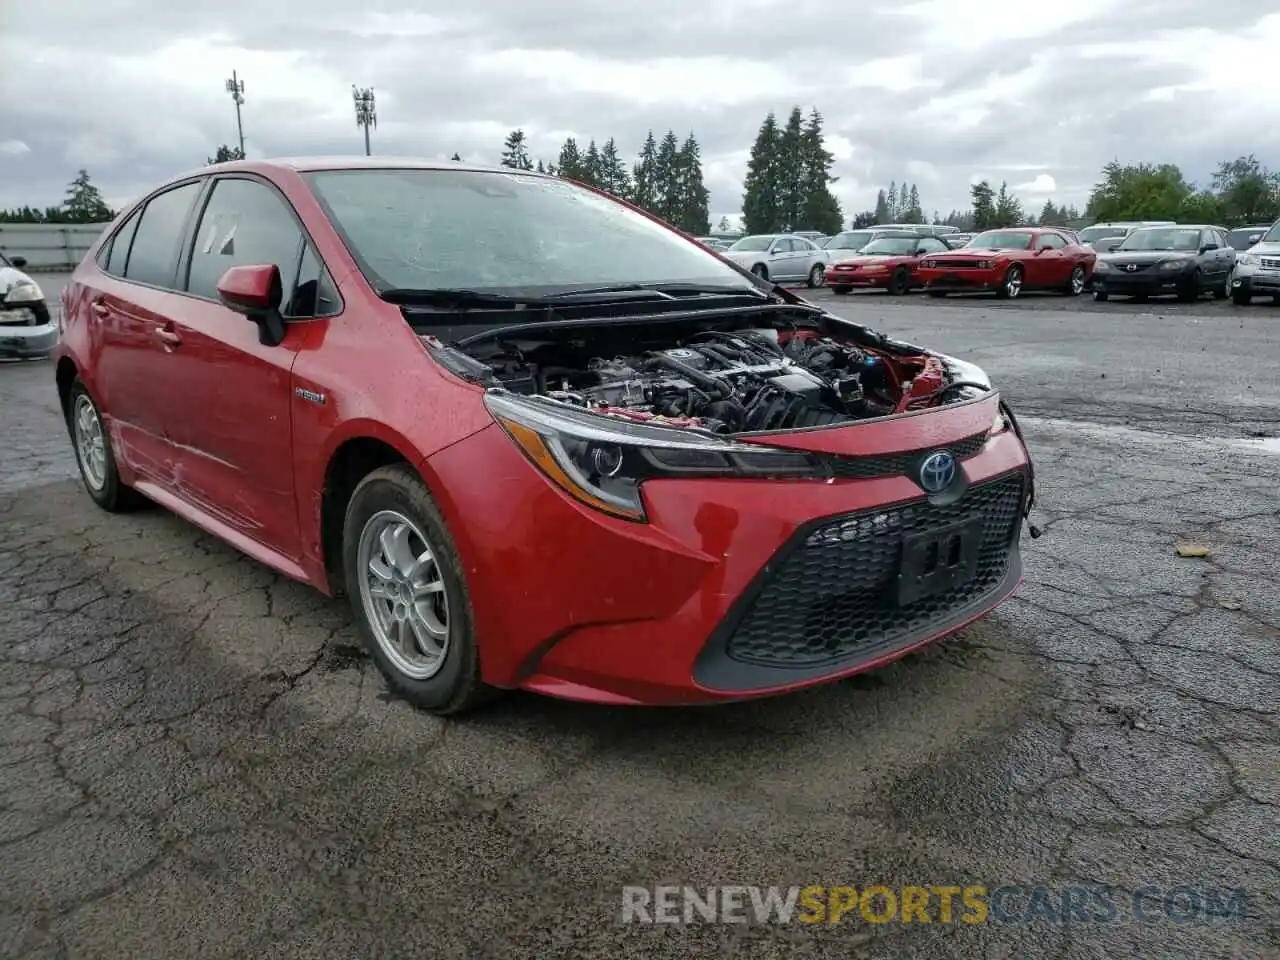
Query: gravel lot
[[196, 761]]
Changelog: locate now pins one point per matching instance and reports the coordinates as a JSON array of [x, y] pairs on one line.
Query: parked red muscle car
[[1006, 262], [889, 262]]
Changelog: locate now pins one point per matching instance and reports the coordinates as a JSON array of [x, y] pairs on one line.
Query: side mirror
[[256, 291], [1208, 246], [18, 262]]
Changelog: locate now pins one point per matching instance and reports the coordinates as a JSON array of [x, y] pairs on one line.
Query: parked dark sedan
[[1184, 260]]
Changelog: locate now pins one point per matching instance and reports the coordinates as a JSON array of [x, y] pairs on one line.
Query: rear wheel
[[409, 593], [94, 456], [938, 294], [899, 282], [817, 276], [1101, 296], [1223, 290], [1075, 286], [761, 271], [1011, 286]]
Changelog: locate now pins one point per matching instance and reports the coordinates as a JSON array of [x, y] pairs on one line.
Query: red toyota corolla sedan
[[540, 439], [1006, 262], [890, 262]]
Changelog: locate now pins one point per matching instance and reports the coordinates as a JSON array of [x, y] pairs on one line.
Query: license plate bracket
[[938, 560]]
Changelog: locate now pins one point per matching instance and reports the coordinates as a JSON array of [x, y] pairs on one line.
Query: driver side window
[[931, 245], [1051, 241], [782, 245]]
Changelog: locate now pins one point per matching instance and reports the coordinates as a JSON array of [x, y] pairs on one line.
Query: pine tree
[[724, 226], [591, 172], [791, 172], [914, 213], [820, 210], [1008, 211], [694, 213], [645, 188], [455, 158], [667, 178], [892, 202], [225, 154], [570, 160], [540, 168], [984, 206], [613, 171], [882, 208], [84, 203], [515, 152], [761, 203]]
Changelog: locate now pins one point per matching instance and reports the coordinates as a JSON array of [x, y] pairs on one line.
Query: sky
[[941, 93]]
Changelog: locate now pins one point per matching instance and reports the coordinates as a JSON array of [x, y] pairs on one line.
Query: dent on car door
[[132, 310], [233, 419]]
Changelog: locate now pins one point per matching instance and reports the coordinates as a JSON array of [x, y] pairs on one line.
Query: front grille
[[898, 464], [1131, 268], [832, 595], [952, 264], [1270, 263]]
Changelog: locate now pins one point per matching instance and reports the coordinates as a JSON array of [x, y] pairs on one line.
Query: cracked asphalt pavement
[[197, 761]]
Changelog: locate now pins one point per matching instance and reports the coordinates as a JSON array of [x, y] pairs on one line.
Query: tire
[[1223, 290], [900, 282], [1191, 292], [817, 276], [1011, 285], [841, 290], [938, 294], [1242, 299], [94, 456], [1101, 296], [393, 501], [761, 271], [1075, 285]]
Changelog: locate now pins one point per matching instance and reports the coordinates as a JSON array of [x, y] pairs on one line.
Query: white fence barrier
[[49, 246]]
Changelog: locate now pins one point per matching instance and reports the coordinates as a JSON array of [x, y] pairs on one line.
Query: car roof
[[314, 164]]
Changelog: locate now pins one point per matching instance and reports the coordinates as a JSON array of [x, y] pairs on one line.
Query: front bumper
[[1149, 282], [858, 278], [27, 330], [1256, 282], [961, 281], [719, 597]]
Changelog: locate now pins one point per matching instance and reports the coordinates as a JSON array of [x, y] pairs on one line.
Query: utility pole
[[235, 87], [366, 112]]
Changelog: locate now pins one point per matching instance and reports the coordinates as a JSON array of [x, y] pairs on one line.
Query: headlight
[[602, 461], [1101, 266], [24, 291], [1246, 260], [1174, 264]]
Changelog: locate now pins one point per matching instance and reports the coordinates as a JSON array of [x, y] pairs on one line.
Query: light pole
[[235, 87], [366, 112]]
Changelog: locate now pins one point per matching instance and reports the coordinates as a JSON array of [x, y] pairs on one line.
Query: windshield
[[1273, 235], [854, 240], [1162, 238], [1244, 239], [753, 243], [891, 245], [997, 240], [1089, 234], [472, 230]]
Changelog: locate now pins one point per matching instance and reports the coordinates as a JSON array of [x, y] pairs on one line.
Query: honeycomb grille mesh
[[834, 594]]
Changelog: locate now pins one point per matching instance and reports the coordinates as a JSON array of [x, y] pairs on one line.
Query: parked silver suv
[[1257, 271]]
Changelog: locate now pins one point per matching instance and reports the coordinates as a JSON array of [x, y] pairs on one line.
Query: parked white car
[[1257, 272], [781, 257], [26, 327]]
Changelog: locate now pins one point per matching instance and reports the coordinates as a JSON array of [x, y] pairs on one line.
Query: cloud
[[933, 92]]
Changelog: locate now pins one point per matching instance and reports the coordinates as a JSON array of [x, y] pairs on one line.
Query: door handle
[[99, 308], [167, 337]]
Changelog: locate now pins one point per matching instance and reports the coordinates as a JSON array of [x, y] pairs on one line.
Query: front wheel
[[900, 281], [94, 456], [761, 271], [409, 593], [1011, 286], [1223, 290], [817, 276], [1190, 291]]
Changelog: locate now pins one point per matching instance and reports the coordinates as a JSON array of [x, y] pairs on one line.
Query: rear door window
[[153, 256]]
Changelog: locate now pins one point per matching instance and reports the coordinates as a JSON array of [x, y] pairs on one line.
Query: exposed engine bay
[[725, 378]]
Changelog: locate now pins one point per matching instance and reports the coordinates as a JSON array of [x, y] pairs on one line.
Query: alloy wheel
[[404, 594], [1077, 281], [1013, 282], [90, 440]]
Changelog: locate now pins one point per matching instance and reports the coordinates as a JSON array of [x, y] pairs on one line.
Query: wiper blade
[[457, 298], [663, 290]]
